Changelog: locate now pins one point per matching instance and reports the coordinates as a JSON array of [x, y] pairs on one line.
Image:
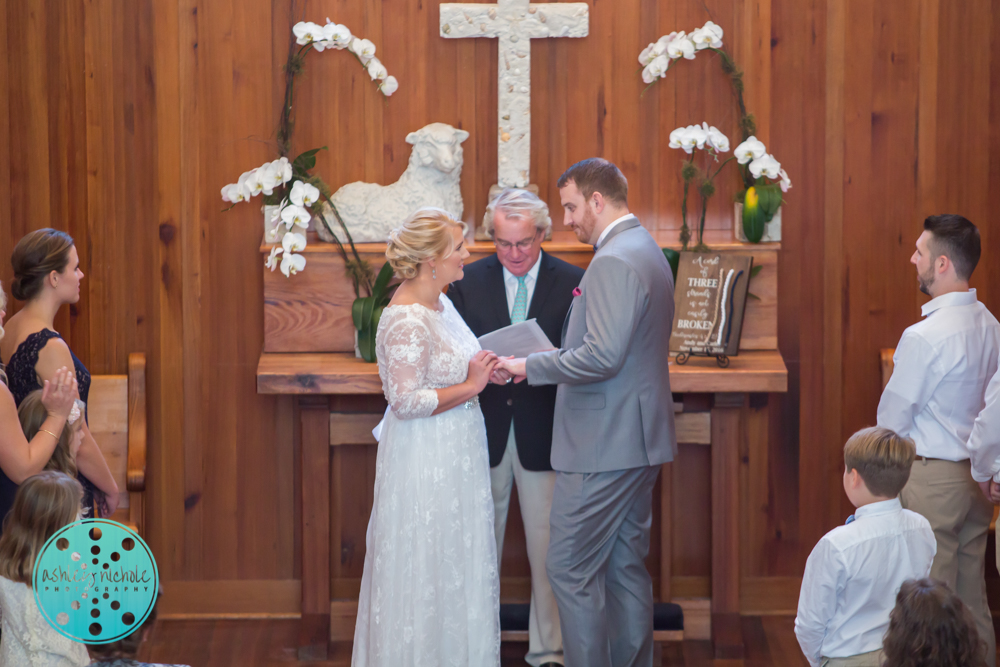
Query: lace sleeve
[[406, 355]]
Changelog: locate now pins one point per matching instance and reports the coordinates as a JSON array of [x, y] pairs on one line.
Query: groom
[[614, 424]]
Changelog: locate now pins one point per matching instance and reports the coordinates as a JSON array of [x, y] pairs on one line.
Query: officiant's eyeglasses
[[524, 245]]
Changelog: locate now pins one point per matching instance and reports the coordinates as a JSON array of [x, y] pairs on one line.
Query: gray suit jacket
[[614, 408]]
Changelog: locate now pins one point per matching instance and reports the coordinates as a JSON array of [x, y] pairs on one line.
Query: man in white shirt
[[854, 573], [521, 282], [942, 366]]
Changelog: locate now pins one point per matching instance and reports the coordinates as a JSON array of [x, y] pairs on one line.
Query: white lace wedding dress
[[430, 592]]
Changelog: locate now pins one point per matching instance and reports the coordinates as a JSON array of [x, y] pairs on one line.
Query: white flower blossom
[[233, 193], [786, 183], [283, 168], [765, 166], [306, 32], [303, 194], [253, 183], [655, 69], [655, 49], [272, 260], [292, 264], [389, 86], [716, 139], [376, 70], [709, 35], [293, 242], [295, 216], [751, 149], [681, 47], [363, 49], [338, 36]]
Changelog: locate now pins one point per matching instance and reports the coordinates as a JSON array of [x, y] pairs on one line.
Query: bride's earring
[[434, 273]]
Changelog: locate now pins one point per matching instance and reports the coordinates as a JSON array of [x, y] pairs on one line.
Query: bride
[[430, 592]]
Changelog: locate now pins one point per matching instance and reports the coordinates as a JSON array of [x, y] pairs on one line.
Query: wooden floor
[[770, 640]]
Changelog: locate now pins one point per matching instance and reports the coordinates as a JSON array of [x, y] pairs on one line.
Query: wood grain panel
[[122, 120]]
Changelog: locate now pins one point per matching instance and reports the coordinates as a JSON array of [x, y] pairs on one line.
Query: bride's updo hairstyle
[[35, 256], [424, 235]]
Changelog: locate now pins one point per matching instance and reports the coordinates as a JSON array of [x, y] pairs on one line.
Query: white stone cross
[[514, 23]]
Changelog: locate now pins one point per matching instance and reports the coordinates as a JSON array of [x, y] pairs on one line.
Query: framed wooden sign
[[709, 299]]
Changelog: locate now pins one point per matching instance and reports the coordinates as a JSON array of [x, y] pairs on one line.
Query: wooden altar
[[339, 400]]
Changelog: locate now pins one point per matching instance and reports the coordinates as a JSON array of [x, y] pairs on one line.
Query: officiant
[[521, 282]]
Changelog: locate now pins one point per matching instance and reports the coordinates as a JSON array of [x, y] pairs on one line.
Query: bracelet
[[43, 430]]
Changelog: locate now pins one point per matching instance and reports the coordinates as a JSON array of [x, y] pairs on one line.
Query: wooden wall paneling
[[692, 502], [796, 131], [989, 272], [165, 480], [6, 222]]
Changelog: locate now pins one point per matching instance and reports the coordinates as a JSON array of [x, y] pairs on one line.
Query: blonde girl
[[44, 503]]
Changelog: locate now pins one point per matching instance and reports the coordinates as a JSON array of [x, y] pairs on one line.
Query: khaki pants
[[945, 493], [534, 492], [873, 659]]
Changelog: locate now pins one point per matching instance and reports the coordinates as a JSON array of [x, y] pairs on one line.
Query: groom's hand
[[515, 367]]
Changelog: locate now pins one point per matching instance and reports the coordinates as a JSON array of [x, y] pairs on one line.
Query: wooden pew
[[117, 418]]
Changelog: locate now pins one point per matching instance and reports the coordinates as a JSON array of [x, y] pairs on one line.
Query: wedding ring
[[508, 381]]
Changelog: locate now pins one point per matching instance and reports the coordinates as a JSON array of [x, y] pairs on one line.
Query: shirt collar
[[881, 507], [532, 272], [949, 299], [614, 223]]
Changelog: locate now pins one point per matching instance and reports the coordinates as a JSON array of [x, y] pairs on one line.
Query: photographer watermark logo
[[95, 581]]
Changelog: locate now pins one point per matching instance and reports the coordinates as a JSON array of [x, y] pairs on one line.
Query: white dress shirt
[[941, 368], [510, 284], [984, 442], [614, 223], [853, 575]]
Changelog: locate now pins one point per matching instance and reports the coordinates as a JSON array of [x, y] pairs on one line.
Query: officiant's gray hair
[[518, 203]]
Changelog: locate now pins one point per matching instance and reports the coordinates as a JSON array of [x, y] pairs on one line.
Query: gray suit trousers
[[600, 526]]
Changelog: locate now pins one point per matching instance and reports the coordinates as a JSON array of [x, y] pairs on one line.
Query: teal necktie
[[520, 311]]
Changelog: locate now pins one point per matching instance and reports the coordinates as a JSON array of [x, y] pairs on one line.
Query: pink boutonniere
[[577, 291]]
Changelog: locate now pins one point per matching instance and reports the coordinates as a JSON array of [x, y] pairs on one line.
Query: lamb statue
[[432, 177]]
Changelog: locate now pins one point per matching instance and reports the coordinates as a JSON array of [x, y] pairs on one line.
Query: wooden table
[[317, 379]]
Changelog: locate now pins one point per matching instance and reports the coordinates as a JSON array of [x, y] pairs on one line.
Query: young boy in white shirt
[[855, 571]]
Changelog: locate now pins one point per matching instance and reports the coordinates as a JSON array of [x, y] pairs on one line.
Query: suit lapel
[[543, 285], [497, 293]]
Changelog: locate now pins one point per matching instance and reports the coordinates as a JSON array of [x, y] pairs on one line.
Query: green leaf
[[366, 313], [357, 308], [673, 259], [366, 343], [753, 296], [307, 160], [755, 270], [382, 281], [770, 200]]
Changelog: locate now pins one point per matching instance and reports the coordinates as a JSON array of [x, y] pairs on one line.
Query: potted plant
[[294, 198], [765, 199]]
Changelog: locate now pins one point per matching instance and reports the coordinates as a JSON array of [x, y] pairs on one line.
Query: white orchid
[[376, 70], [363, 49], [751, 149], [304, 194], [233, 193], [306, 32], [253, 183], [786, 183], [337, 35], [681, 46], [709, 35], [655, 49], [765, 166], [655, 69], [292, 264], [716, 139], [284, 169], [293, 242], [295, 216], [272, 260], [389, 86]]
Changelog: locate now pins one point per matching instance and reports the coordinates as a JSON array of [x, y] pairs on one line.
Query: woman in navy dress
[[47, 276]]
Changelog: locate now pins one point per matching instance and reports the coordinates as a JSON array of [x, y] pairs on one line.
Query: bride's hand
[[480, 369], [500, 376]]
